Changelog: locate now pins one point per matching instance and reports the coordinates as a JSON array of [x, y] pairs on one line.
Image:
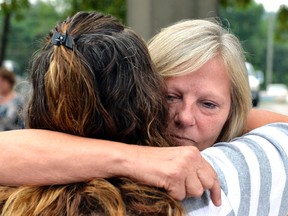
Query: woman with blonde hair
[[189, 47]]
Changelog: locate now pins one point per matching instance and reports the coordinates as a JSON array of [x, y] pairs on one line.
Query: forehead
[[213, 70], [211, 79]]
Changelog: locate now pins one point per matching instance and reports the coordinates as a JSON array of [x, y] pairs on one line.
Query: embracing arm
[[45, 157], [258, 118]]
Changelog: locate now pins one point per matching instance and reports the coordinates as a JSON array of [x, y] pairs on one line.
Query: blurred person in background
[[11, 103]]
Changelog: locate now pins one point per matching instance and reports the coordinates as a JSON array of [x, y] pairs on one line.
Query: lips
[[184, 139]]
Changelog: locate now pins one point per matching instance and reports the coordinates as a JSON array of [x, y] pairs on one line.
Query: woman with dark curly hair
[[94, 78]]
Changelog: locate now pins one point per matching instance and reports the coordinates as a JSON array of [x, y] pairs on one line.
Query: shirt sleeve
[[253, 173]]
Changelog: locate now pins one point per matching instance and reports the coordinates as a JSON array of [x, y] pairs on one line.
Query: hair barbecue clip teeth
[[62, 39]]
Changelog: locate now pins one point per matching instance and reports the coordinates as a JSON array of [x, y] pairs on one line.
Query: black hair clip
[[62, 39]]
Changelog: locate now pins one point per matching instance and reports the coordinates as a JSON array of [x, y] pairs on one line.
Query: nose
[[185, 116]]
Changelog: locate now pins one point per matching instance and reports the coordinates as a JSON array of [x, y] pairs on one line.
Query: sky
[[272, 5]]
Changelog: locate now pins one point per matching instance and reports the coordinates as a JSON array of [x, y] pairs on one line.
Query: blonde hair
[[186, 46]]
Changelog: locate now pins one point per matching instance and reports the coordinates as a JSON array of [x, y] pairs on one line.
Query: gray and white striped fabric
[[253, 173]]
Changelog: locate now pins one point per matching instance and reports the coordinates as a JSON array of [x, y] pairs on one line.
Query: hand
[[182, 171]]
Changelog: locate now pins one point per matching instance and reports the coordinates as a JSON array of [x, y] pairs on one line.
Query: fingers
[[182, 171], [183, 180], [191, 176], [215, 193], [202, 177], [194, 187], [209, 180], [177, 191]]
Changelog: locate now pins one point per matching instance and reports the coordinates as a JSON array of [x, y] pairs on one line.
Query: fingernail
[[219, 202]]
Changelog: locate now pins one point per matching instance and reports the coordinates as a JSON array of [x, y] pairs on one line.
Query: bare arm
[[45, 157], [258, 118]]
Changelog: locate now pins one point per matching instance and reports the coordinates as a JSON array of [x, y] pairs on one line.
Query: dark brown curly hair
[[105, 87]]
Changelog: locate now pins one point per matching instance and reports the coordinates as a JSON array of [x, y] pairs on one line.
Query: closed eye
[[172, 98], [209, 105]]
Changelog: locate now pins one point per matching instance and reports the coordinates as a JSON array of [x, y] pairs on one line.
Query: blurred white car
[[277, 91], [254, 84]]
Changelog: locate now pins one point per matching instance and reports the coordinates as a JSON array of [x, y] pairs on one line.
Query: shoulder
[[253, 170], [269, 137]]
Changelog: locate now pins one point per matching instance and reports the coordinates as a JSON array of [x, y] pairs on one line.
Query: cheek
[[212, 126], [172, 108], [5, 85]]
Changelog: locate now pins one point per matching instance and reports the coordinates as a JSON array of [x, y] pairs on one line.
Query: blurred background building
[[149, 16]]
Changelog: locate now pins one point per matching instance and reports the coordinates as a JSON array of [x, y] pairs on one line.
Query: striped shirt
[[253, 174]]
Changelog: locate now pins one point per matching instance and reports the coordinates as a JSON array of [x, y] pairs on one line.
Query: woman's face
[[199, 104], [5, 86]]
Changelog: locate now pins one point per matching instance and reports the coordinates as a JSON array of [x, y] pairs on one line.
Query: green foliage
[[283, 17], [282, 25], [9, 8], [26, 34], [232, 3], [17, 7], [114, 7], [247, 26], [250, 25], [280, 67]]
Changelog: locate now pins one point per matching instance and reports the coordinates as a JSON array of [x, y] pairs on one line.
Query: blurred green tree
[[250, 24], [8, 8], [19, 39], [247, 24], [233, 3], [282, 24], [27, 34], [280, 66], [114, 7]]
